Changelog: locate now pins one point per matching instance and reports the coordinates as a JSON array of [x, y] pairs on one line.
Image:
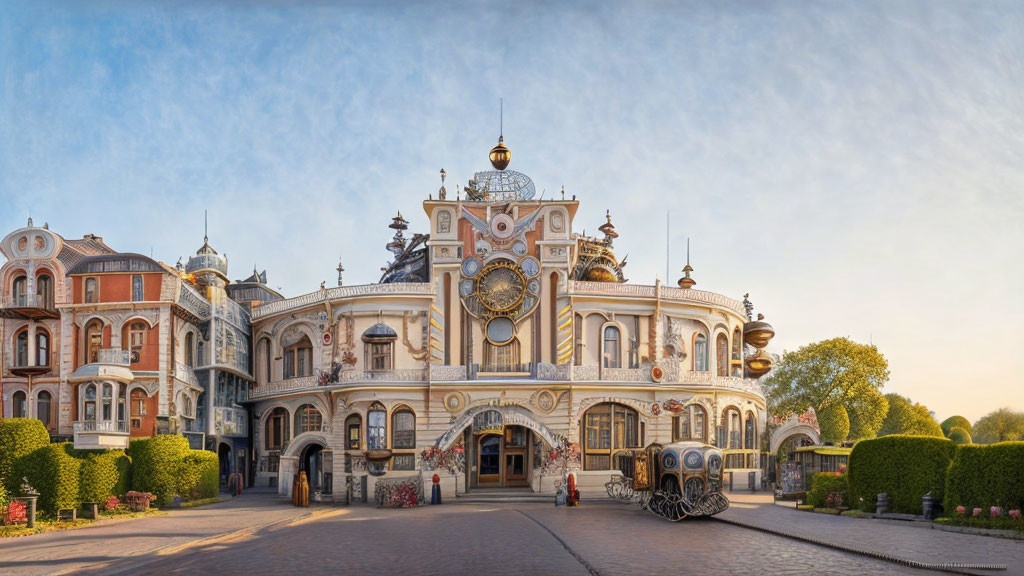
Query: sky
[[858, 168]]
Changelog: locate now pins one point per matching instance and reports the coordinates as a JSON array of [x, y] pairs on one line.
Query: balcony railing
[[345, 378], [114, 426], [113, 356], [30, 301]]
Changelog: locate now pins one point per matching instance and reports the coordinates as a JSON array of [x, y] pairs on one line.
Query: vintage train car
[[675, 481]]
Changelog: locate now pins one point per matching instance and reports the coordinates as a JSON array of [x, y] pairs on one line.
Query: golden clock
[[501, 286]]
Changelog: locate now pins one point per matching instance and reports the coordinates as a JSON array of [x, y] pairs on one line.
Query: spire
[[608, 229], [206, 228], [340, 269], [500, 155], [442, 193], [686, 282]]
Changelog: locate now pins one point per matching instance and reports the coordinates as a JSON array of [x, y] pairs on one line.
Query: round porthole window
[[693, 459], [500, 330], [668, 460]]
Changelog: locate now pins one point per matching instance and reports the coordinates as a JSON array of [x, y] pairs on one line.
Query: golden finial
[[500, 155], [686, 282]]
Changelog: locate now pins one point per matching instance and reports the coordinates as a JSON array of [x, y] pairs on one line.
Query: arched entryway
[[502, 459], [311, 462], [224, 456]]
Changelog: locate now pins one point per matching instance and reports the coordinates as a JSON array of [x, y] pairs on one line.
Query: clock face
[[501, 287]]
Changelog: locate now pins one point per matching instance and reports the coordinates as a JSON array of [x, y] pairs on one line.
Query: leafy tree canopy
[[907, 417], [836, 372], [834, 423], [999, 426]]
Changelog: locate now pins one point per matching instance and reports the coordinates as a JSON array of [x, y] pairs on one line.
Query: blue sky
[[857, 167]]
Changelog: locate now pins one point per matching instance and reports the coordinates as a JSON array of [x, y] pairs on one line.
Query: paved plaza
[[261, 534]]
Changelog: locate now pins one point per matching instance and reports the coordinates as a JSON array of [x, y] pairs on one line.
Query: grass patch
[[855, 514], [833, 511], [998, 523], [18, 530], [805, 507], [201, 502]]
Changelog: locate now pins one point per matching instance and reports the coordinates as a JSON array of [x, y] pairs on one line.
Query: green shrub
[[18, 437], [3, 496], [834, 423], [959, 436], [904, 467], [156, 465], [952, 422], [54, 474], [97, 478], [200, 475], [982, 476], [825, 483]]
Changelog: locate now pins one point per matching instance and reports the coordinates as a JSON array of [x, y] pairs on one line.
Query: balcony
[[312, 383], [29, 307], [110, 364], [100, 434]]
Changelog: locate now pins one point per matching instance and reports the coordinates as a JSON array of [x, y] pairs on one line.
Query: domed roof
[[380, 331], [501, 186]]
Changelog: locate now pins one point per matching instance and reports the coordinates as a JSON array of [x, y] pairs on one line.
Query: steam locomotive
[[674, 481]]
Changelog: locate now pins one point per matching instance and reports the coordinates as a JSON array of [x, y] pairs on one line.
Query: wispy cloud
[[858, 168]]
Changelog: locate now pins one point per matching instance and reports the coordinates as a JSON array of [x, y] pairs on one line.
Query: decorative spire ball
[[442, 193], [608, 229], [500, 155], [686, 282]]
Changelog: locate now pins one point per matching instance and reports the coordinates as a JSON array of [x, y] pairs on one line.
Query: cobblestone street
[[260, 534]]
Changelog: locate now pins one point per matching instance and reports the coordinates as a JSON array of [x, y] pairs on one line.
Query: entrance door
[[312, 464], [515, 455], [489, 464]]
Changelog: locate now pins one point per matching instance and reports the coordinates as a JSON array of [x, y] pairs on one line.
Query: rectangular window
[[403, 462], [352, 441], [137, 293], [289, 364], [380, 356], [91, 290]]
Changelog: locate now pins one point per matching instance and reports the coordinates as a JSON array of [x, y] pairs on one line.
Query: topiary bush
[[905, 467], [952, 422], [3, 496], [959, 436], [156, 465], [54, 474], [982, 476], [18, 437], [97, 478], [825, 483], [200, 475]]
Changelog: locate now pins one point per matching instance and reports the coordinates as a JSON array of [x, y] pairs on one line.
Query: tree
[[907, 417], [955, 422], [836, 372], [834, 423], [999, 426]]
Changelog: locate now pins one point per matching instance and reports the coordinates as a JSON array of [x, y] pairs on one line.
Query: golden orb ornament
[[500, 155]]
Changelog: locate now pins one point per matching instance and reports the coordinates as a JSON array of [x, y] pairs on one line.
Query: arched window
[[690, 424], [92, 291], [43, 403], [138, 408], [502, 357], [21, 348], [108, 401], [298, 359], [610, 347], [700, 353], [186, 406], [749, 434], [377, 427], [277, 429], [137, 339], [42, 348], [264, 360], [729, 430], [20, 410], [137, 292], [89, 403], [737, 343], [607, 429], [722, 355], [190, 347], [93, 341], [403, 437], [20, 291], [353, 427], [403, 429], [308, 419], [44, 291]]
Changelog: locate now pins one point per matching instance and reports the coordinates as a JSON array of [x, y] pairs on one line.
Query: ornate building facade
[[500, 348]]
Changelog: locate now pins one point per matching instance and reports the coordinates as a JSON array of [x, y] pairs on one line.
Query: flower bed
[[398, 492]]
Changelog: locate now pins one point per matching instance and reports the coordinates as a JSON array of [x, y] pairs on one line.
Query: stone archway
[[511, 415], [289, 462], [789, 430]]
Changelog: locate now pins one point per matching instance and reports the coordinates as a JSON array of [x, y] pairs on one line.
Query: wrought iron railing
[[118, 426], [345, 378], [113, 356], [43, 301]]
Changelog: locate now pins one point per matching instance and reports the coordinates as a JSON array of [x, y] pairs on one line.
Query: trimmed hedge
[[952, 422], [99, 476], [960, 436], [982, 476], [905, 467], [54, 474], [199, 475], [157, 464], [824, 483], [19, 437]]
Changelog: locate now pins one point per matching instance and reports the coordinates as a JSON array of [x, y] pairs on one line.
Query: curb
[[949, 567]]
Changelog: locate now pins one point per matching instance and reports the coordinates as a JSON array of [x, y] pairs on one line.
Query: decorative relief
[[454, 402], [444, 222]]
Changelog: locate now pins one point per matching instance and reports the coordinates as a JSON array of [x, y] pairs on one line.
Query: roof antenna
[[206, 229], [501, 119], [668, 243]]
